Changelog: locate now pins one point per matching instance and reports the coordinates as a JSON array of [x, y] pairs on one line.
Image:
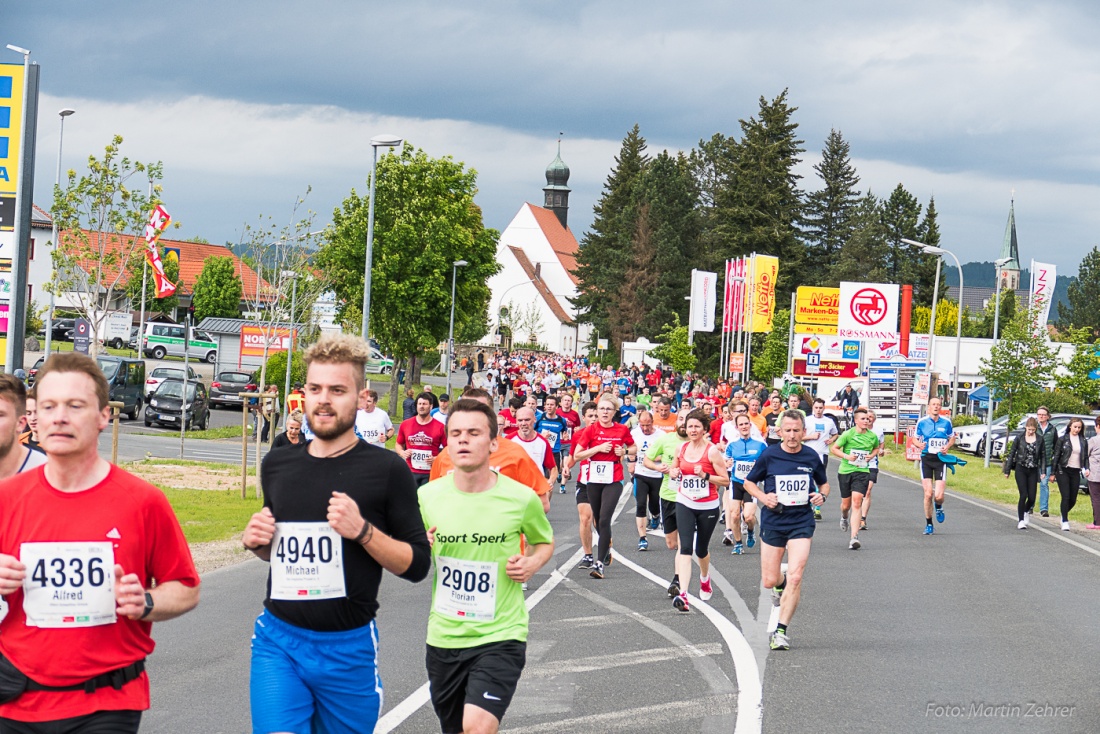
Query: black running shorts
[[853, 482], [931, 468], [485, 676]]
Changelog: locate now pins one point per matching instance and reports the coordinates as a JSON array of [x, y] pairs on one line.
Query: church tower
[[1010, 271], [556, 189]]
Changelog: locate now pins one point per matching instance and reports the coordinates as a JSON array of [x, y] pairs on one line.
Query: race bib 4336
[[68, 584]]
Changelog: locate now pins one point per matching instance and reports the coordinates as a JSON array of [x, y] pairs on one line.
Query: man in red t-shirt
[[90, 555], [506, 419], [420, 439]]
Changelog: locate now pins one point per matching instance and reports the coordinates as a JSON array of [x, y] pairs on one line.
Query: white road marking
[[622, 659], [663, 713]]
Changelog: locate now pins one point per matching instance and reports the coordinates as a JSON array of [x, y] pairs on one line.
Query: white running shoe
[[705, 589], [1022, 525], [1065, 526], [1027, 519]]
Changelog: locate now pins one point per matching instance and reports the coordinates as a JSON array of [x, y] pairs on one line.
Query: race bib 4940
[[307, 562]]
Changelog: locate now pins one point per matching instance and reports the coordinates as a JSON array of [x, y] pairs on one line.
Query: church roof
[[557, 173], [975, 297], [560, 238], [1011, 247], [540, 284]]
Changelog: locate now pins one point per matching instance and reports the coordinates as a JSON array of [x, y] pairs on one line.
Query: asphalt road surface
[[979, 628]]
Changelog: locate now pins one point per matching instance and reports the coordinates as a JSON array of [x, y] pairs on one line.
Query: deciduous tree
[[217, 290], [1082, 308]]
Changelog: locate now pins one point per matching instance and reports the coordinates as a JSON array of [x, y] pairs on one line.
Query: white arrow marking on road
[[622, 659], [662, 713]]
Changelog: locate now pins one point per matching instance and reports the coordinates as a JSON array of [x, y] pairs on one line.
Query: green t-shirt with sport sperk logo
[[473, 600], [860, 446]]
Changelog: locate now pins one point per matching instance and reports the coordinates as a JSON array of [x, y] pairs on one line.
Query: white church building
[[538, 253]]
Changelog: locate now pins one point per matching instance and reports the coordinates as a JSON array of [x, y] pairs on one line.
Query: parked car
[[34, 370], [168, 407], [968, 438], [162, 340], [126, 379], [227, 387], [378, 363], [1062, 421], [135, 334], [63, 329], [160, 374]]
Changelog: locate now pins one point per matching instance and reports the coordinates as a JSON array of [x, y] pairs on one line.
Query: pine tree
[[712, 165], [900, 216], [1082, 309], [862, 257], [632, 305], [830, 212], [605, 249], [924, 266], [670, 193]]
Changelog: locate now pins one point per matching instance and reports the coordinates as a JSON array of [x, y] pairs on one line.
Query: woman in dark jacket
[[1070, 455], [1028, 457]]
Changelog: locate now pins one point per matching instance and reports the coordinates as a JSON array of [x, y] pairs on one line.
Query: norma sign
[[253, 339], [817, 305], [868, 310], [827, 368]]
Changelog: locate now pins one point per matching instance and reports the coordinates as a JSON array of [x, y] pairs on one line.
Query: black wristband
[[363, 533]]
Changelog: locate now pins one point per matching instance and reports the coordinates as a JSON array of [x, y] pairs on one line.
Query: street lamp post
[[997, 265], [378, 141], [933, 250], [293, 276], [53, 237], [451, 333]]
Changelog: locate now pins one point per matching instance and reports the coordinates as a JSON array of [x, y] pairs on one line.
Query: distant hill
[[241, 250], [983, 275]]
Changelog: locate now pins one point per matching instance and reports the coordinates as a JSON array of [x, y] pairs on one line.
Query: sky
[[251, 103]]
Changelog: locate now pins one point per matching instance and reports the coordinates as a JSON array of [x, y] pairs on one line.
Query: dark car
[[227, 387], [33, 371], [63, 329], [167, 404], [126, 379]]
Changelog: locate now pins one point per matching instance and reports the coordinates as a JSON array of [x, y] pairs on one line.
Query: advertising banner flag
[[158, 222], [704, 299], [764, 270], [868, 311], [735, 295], [1043, 278]]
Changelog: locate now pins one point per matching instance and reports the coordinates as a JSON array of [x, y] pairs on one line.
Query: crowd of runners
[[90, 555]]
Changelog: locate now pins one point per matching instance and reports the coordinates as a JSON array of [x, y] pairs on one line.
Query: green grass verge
[[58, 346], [988, 484]]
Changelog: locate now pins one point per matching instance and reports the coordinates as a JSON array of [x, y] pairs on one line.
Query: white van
[[162, 340]]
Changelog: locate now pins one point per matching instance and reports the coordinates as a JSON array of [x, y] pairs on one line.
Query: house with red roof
[[538, 254]]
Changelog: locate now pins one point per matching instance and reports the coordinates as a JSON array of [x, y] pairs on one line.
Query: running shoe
[[738, 549], [817, 514], [1044, 513], [607, 558], [654, 523], [722, 517], [1027, 519], [777, 595], [586, 561], [844, 524], [1065, 526], [674, 588], [928, 530], [727, 537], [750, 538], [862, 526], [1092, 526], [681, 603], [1022, 525], [705, 590], [561, 489], [643, 544], [597, 570], [854, 544], [939, 514], [779, 641]]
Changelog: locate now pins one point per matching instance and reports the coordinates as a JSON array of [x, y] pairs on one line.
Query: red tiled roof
[[192, 257], [560, 238], [540, 285]]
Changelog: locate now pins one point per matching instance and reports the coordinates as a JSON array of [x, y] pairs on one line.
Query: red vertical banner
[[735, 295]]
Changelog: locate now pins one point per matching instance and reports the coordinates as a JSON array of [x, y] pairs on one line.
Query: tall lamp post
[[933, 250], [293, 276], [997, 265], [53, 237], [378, 141], [451, 333]]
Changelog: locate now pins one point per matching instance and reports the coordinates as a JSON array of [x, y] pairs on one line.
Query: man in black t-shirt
[[337, 511]]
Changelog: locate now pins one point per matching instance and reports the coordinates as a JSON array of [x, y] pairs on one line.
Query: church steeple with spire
[[556, 190], [1010, 271]]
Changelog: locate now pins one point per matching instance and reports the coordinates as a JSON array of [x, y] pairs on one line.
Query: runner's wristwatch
[[148, 605]]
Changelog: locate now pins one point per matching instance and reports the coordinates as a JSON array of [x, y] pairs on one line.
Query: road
[[907, 635]]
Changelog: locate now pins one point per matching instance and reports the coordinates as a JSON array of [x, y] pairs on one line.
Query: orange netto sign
[[815, 305]]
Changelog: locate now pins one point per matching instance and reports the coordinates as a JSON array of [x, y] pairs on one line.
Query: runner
[[820, 434], [661, 457], [584, 507], [628, 412], [325, 507], [855, 448], [506, 418], [699, 470], [573, 420], [741, 454], [15, 457], [647, 482], [934, 436], [477, 628], [535, 445], [757, 418], [604, 444], [663, 419], [552, 427], [372, 424], [873, 466], [420, 439], [781, 480], [90, 555], [439, 412]]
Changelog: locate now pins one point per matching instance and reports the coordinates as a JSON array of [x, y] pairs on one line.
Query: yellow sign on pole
[[826, 329], [815, 305], [765, 269]]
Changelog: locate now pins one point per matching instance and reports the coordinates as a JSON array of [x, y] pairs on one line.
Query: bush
[[276, 370], [1057, 401], [966, 420]]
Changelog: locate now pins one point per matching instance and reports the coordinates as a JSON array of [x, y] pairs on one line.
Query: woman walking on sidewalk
[[1092, 474], [1069, 455], [1028, 458]]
